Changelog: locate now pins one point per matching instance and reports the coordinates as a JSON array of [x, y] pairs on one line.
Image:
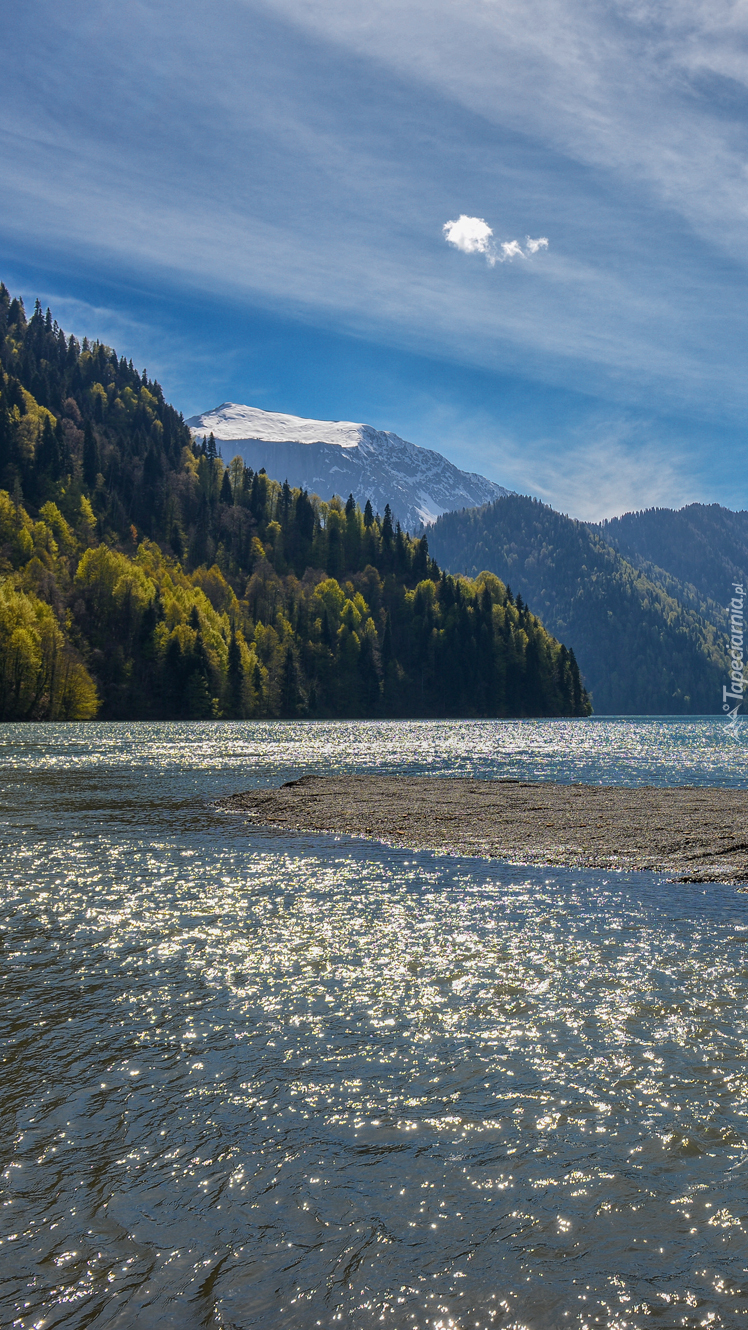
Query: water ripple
[[253, 1081]]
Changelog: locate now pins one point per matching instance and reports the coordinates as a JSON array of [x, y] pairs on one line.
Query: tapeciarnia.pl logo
[[736, 690]]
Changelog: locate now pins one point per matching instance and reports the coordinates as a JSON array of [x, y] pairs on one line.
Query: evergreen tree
[[49, 460], [226, 495], [290, 696], [387, 530], [235, 674], [91, 464]]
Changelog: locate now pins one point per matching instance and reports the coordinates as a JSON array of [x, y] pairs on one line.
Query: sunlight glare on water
[[254, 1080]]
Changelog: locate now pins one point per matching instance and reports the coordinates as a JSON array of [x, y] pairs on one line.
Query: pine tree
[[334, 552], [17, 315], [48, 458], [290, 686], [387, 652], [235, 673], [91, 464], [387, 530], [226, 495], [579, 694], [285, 503], [258, 687]]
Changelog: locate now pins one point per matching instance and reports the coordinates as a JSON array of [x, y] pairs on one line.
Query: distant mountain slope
[[341, 457], [640, 651], [696, 552]]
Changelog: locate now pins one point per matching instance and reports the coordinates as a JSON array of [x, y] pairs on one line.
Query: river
[[256, 1081]]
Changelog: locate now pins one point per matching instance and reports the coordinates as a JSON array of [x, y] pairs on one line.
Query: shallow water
[[257, 1081]]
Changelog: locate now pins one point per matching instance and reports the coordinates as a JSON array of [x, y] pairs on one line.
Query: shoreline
[[691, 833]]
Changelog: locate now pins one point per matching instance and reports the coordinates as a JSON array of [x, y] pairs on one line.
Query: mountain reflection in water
[[256, 1081]]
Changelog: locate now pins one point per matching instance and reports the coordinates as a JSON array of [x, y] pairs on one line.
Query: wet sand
[[690, 833]]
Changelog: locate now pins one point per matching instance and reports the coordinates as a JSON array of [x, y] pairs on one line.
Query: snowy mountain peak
[[232, 421], [341, 457]]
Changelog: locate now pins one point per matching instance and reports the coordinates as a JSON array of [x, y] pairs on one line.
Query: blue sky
[[250, 199]]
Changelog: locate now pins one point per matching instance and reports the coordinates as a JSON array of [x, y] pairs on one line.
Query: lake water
[[253, 1080]]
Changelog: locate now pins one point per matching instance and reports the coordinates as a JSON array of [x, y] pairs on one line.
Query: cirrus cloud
[[473, 235]]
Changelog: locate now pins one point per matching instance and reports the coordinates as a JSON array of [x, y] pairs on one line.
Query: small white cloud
[[472, 235]]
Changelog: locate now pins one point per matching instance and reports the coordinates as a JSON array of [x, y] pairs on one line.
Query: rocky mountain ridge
[[344, 457]]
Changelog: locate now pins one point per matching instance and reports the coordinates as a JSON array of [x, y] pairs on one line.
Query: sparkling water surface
[[253, 1080]]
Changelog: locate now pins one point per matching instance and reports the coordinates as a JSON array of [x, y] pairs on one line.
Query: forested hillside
[[696, 552], [639, 649], [140, 576]]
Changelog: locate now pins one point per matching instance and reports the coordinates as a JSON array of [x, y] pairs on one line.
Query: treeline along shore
[[141, 577], [692, 834]]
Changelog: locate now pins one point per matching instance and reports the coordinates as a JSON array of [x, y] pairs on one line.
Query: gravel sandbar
[[691, 833]]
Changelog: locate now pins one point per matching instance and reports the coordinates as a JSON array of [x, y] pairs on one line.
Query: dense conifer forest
[[695, 553], [141, 576], [646, 643]]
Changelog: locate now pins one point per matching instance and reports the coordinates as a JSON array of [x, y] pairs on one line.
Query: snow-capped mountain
[[330, 457]]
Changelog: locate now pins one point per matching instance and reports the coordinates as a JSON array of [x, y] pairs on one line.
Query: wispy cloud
[[473, 235], [604, 474], [600, 464], [85, 319], [318, 188], [598, 470], [648, 92]]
